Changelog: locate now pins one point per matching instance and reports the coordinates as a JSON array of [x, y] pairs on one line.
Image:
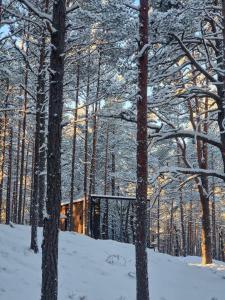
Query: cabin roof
[[99, 196], [74, 201], [96, 196]]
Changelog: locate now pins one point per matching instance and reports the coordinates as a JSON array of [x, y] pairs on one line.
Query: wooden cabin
[[77, 215]]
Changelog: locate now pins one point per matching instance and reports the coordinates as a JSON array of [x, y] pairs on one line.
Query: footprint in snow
[[116, 260]]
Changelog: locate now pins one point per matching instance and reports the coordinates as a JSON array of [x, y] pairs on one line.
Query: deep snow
[[102, 270]]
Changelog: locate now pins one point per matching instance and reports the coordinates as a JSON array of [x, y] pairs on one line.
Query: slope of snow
[[102, 270]]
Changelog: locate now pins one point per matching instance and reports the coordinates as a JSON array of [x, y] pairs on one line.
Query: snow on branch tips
[[37, 12]]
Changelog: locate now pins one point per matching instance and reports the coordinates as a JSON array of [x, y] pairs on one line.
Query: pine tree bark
[[3, 133], [158, 223], [51, 221], [213, 208], [95, 207], [41, 98], [94, 139], [71, 222], [86, 203], [105, 225], [9, 178], [142, 158], [24, 124], [25, 183], [202, 182], [34, 200], [113, 166], [16, 183]]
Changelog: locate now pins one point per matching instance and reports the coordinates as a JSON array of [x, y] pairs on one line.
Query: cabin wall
[[77, 217]]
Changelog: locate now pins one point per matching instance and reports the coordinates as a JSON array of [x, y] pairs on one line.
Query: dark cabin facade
[[78, 221]]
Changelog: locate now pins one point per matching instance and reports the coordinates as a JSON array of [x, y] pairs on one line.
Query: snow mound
[[102, 270]]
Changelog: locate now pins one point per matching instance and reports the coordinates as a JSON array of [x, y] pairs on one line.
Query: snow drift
[[102, 270]]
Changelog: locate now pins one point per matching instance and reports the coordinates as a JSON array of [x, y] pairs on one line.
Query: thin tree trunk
[[41, 99], [9, 180], [16, 183], [105, 231], [113, 165], [3, 148], [32, 182], [25, 183], [213, 206], [171, 230], [94, 140], [24, 123], [38, 203], [158, 223], [71, 221], [86, 203], [183, 234], [96, 208], [190, 230]]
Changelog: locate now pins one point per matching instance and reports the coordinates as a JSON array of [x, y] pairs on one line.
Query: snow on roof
[[113, 197], [74, 201], [62, 216]]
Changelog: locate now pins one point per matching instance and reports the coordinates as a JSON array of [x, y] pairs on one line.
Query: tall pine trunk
[[24, 124], [86, 203], [71, 223], [41, 98], [142, 158], [51, 221]]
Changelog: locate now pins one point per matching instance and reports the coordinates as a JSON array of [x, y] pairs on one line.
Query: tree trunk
[[9, 180], [190, 230], [142, 159], [213, 206], [41, 99], [95, 207], [171, 229], [24, 123], [94, 139], [105, 232], [25, 183], [3, 146], [34, 200], [51, 221], [113, 165], [86, 203], [16, 183], [158, 223], [71, 223]]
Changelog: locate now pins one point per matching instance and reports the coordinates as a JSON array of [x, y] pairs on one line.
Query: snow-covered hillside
[[102, 270]]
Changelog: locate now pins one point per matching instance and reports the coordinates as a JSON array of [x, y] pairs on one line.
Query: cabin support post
[[95, 207]]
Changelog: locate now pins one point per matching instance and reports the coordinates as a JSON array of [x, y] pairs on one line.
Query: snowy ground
[[102, 270]]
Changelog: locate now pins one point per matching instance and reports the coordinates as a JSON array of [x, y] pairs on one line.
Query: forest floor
[[102, 270]]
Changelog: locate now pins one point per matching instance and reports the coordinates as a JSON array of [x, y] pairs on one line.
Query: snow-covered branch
[[196, 171], [187, 134], [36, 11], [72, 8], [132, 6], [192, 59]]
